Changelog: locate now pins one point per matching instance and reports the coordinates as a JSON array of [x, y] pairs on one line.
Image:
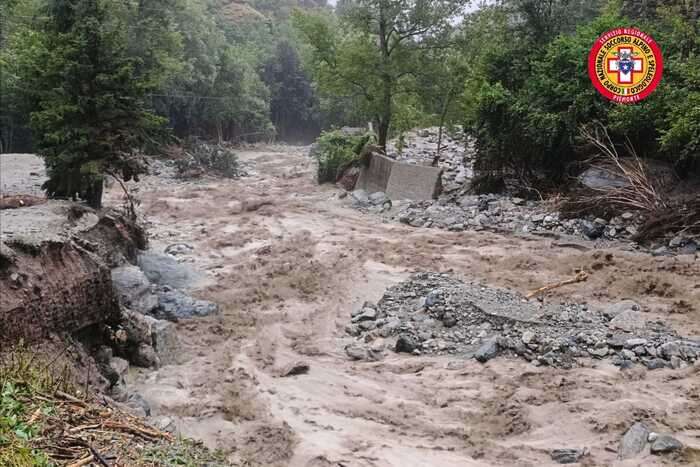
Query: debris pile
[[434, 313], [420, 147]]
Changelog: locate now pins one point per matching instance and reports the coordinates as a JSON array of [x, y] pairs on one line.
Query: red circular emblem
[[625, 65]]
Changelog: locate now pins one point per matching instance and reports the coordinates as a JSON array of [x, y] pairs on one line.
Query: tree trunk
[[383, 132], [443, 117], [384, 121], [94, 195]]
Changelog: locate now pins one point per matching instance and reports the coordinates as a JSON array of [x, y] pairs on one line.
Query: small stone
[[567, 456], [633, 442], [631, 343], [655, 364], [615, 309], [356, 352], [652, 437], [628, 216], [294, 369], [670, 349], [629, 355], [368, 314], [518, 201], [689, 248], [599, 352], [165, 424], [488, 350], [628, 321], [407, 344], [139, 405], [664, 444], [432, 298], [449, 320], [677, 241], [528, 337]]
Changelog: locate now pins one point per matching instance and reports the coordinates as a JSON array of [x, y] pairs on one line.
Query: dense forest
[[88, 83]]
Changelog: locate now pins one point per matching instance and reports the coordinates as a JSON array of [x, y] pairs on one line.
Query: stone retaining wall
[[399, 180]]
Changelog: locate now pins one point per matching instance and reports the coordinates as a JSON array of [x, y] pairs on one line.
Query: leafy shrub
[[526, 101], [200, 157], [335, 150]]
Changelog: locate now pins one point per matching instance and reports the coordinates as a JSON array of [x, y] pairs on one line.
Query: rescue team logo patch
[[625, 65]]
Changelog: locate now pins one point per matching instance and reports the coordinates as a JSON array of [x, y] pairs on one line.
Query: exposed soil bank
[[54, 269]]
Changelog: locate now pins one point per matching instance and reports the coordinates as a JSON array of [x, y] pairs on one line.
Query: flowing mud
[[288, 261]]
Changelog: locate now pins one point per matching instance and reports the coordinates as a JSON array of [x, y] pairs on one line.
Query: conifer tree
[[91, 117]]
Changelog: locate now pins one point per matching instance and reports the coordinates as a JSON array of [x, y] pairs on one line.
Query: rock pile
[[512, 214], [420, 147], [154, 288], [436, 314]]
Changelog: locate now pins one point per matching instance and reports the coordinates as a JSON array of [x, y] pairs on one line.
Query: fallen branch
[[82, 462], [580, 277]]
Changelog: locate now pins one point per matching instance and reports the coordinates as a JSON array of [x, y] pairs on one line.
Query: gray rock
[[655, 364], [599, 352], [175, 305], [360, 197], [636, 342], [592, 230], [670, 349], [165, 342], [677, 241], [432, 299], [295, 368], [449, 320], [567, 456], [628, 321], [139, 405], [165, 423], [145, 356], [165, 270], [407, 344], [134, 289], [665, 444], [598, 178], [178, 249], [615, 309], [120, 367], [633, 442], [378, 199], [488, 350], [528, 337], [689, 248], [367, 314], [356, 352]]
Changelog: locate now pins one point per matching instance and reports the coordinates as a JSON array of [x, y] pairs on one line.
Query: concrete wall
[[399, 180], [375, 177]]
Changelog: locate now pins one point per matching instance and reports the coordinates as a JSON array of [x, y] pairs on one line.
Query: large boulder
[[175, 305], [134, 289], [600, 179], [166, 270]]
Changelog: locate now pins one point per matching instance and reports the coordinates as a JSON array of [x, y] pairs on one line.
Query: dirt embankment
[[54, 269]]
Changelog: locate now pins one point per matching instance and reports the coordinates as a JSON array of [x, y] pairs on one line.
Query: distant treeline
[[214, 69]]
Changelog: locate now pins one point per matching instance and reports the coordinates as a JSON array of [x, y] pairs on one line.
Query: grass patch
[[45, 421]]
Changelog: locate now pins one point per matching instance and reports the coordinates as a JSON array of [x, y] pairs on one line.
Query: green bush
[[526, 100], [200, 157], [335, 150]]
